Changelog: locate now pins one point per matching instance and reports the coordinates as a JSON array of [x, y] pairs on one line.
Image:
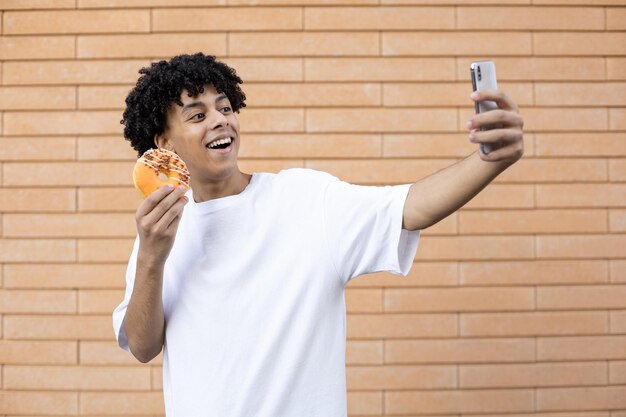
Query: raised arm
[[157, 221], [437, 196]]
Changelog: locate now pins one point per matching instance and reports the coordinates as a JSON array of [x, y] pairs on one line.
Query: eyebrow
[[201, 104], [192, 105]]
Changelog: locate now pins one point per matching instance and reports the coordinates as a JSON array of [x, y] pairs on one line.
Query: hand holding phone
[[484, 78]]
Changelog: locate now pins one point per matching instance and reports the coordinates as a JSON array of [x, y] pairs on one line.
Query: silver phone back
[[484, 78]]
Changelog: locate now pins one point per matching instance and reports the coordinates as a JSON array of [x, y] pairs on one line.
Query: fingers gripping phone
[[484, 78]]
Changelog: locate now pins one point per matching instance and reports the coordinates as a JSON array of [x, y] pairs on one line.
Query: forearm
[[435, 197], [145, 320]]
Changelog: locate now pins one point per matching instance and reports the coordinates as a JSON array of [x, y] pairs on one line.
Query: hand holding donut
[[158, 216], [157, 221]]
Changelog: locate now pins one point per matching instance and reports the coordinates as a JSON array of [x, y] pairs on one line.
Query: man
[[241, 278]]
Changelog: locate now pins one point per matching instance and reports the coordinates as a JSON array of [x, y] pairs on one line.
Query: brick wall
[[515, 304]]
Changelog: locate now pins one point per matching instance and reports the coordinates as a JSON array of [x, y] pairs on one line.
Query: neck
[[210, 190]]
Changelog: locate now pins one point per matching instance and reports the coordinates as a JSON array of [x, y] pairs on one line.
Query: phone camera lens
[[479, 75]]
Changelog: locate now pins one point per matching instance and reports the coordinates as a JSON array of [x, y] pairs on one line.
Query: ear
[[162, 142]]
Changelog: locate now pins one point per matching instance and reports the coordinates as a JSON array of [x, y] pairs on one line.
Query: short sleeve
[[120, 311], [364, 229]]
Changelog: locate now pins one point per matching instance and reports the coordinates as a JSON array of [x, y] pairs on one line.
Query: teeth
[[219, 142]]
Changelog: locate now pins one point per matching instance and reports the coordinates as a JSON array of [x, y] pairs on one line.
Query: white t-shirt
[[253, 293]]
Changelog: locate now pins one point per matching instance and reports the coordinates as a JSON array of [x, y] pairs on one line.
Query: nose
[[218, 119]]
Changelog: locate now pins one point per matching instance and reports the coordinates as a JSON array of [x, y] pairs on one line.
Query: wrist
[[149, 262], [499, 165]]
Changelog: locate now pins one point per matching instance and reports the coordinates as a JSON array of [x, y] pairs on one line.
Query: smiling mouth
[[220, 143]]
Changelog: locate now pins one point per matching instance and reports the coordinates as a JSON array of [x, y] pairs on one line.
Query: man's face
[[199, 122]]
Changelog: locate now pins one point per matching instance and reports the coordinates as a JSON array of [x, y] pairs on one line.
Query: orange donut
[[155, 161]]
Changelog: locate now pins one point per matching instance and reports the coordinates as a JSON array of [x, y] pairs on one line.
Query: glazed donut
[[155, 161]]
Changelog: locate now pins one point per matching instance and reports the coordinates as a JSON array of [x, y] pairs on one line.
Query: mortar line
[[383, 364], [608, 362], [608, 159]]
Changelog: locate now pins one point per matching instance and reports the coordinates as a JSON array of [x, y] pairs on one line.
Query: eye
[[225, 109], [194, 117]]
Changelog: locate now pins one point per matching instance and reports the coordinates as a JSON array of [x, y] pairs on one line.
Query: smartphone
[[484, 78]]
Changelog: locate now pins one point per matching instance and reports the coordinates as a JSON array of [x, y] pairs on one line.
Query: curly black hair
[[162, 84]]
